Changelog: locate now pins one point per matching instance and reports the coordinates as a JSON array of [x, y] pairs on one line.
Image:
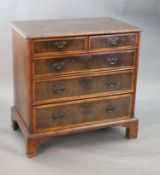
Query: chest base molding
[[33, 140]]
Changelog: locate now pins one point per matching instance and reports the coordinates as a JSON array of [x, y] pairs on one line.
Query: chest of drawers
[[73, 75]]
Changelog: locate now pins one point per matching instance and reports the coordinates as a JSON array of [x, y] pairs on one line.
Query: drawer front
[[112, 41], [82, 86], [80, 112], [51, 46], [83, 63]]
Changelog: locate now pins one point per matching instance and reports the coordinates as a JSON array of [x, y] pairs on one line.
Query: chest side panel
[[21, 73]]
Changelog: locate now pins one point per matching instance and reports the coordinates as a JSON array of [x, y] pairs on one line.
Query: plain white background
[[98, 152]]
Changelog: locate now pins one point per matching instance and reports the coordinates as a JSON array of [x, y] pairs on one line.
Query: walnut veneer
[[73, 75]]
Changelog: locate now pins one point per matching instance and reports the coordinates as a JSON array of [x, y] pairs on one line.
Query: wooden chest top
[[72, 27]]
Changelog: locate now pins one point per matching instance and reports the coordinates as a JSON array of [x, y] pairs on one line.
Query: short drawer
[[63, 65], [55, 46], [105, 42], [90, 111], [73, 87]]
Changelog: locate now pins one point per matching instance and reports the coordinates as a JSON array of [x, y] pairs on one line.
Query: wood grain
[[53, 117], [51, 90], [44, 47], [72, 27], [105, 42], [73, 75], [34, 139], [21, 73], [83, 63]]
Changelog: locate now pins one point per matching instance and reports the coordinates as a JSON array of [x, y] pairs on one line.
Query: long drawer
[[71, 114], [81, 86], [83, 63]]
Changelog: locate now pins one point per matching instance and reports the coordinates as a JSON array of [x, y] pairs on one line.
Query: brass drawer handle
[[58, 117], [85, 79], [112, 60], [112, 83], [60, 44], [114, 40], [110, 109], [59, 89], [58, 66]]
